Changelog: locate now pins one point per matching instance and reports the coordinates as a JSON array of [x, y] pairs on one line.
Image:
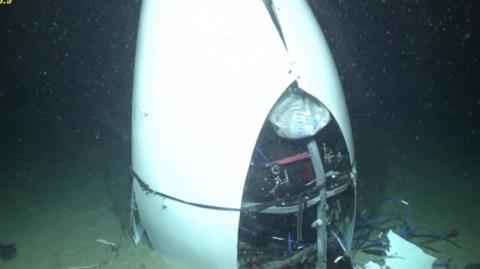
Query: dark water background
[[410, 75], [410, 72]]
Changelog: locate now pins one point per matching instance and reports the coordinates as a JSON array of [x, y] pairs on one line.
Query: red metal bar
[[292, 159]]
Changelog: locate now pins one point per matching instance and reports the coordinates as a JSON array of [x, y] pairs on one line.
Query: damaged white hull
[[206, 77]]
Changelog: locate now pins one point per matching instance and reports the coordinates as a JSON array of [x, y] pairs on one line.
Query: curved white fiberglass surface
[[206, 76]]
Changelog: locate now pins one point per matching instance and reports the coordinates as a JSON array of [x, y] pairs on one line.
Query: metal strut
[[321, 222]]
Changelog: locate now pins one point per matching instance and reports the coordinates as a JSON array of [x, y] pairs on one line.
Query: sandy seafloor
[[440, 182], [56, 201]]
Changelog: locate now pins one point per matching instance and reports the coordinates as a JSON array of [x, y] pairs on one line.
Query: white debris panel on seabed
[[402, 254]]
